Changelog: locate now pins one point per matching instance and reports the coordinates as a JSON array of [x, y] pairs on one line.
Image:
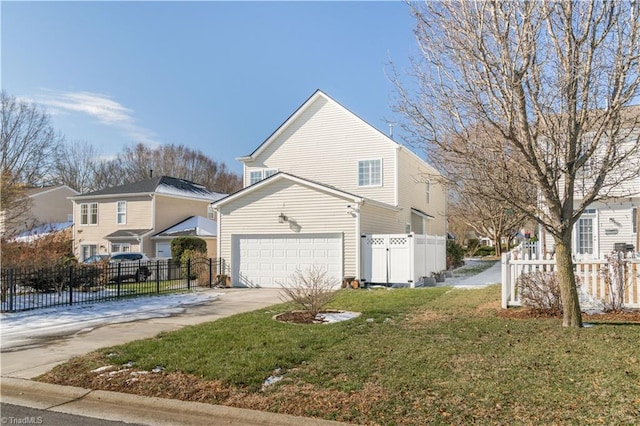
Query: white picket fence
[[593, 288], [402, 258]]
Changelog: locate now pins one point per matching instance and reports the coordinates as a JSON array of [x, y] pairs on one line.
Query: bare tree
[[178, 161], [75, 165], [554, 80], [28, 142]]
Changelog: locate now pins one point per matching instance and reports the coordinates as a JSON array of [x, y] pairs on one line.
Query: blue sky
[[215, 76]]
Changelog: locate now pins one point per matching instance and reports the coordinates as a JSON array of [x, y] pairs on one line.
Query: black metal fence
[[24, 289]]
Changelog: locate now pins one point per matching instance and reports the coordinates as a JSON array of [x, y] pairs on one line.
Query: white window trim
[[428, 191], [89, 211], [122, 247], [370, 185], [118, 212], [261, 174]]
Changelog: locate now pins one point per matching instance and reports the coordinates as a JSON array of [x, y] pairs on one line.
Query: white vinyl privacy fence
[[402, 258], [590, 274]]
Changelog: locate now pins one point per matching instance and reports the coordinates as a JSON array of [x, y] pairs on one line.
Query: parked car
[[129, 266], [96, 258]]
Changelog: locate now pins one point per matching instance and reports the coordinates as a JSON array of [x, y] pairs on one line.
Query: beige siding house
[[320, 181], [131, 217], [47, 205]]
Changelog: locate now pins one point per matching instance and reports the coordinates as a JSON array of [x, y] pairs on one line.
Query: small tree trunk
[[571, 314]]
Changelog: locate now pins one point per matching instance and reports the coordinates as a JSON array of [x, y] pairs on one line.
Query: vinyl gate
[[402, 258]]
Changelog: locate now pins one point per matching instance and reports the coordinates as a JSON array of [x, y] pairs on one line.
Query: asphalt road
[[19, 415]]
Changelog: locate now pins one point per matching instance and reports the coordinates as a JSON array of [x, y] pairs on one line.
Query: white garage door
[[267, 260]]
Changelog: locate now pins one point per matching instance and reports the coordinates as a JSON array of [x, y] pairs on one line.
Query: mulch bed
[[627, 315], [300, 317]]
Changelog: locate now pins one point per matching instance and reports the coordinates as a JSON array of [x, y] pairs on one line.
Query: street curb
[[138, 409]]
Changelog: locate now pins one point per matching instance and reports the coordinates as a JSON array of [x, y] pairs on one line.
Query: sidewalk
[[20, 365]]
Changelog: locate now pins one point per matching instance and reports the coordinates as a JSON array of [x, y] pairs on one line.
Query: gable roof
[[319, 94], [166, 185], [39, 190], [302, 181], [198, 226]]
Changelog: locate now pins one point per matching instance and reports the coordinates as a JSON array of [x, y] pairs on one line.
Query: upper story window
[[256, 176], [370, 172], [89, 214], [634, 220], [211, 212], [428, 192], [121, 215]]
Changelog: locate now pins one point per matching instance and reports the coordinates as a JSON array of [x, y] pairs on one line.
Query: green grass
[[414, 356]]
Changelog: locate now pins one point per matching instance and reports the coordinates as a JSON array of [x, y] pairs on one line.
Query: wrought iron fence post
[[157, 276], [210, 272], [70, 285], [118, 279], [12, 288], [188, 274]]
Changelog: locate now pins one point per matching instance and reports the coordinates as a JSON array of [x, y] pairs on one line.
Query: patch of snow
[[24, 328], [101, 369], [274, 378], [333, 317]]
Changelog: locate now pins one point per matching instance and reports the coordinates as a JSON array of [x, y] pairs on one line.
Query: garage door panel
[[269, 260]]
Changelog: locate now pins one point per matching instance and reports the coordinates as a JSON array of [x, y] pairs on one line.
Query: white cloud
[[101, 107]]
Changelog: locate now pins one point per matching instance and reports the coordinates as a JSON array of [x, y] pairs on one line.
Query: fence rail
[[25, 289], [590, 274]]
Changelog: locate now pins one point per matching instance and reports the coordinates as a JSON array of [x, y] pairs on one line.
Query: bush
[[455, 254], [485, 251], [180, 244], [310, 289], [540, 290]]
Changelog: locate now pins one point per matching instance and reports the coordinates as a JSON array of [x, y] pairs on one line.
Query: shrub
[[485, 251], [310, 289], [540, 290], [615, 274], [180, 244], [455, 254]]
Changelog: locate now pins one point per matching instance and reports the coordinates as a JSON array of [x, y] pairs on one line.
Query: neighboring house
[[127, 217], [314, 187], [194, 226], [48, 205], [610, 224]]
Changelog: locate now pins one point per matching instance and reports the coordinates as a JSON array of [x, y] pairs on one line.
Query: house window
[[634, 220], [258, 175], [585, 235], [255, 177], [121, 216], [428, 192], [120, 247], [211, 212], [370, 172], [88, 250], [89, 214]]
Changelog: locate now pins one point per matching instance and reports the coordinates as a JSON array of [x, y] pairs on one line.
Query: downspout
[[153, 220], [358, 243], [219, 238]]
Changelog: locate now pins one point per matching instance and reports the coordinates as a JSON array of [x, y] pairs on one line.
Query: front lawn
[[414, 356]]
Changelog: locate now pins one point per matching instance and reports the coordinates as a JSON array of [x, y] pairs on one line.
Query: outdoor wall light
[[282, 218]]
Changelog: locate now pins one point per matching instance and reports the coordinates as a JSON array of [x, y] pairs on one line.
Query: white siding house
[[313, 187]]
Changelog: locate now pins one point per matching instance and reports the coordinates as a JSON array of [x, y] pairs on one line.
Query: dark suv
[[129, 266]]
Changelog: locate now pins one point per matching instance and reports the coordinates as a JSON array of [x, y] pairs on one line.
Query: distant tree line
[[33, 153]]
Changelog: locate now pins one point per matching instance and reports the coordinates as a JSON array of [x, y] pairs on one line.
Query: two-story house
[[612, 222], [47, 207], [137, 217], [311, 190]]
